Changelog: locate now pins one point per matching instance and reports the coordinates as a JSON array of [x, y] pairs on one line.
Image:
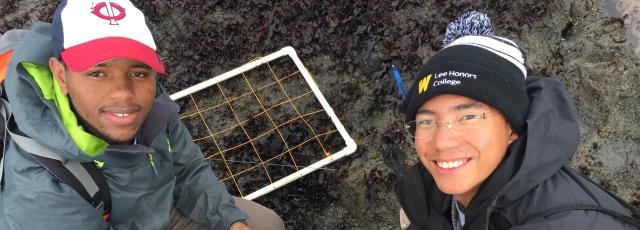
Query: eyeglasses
[[426, 128]]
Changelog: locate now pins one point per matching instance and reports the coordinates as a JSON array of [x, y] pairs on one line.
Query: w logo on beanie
[[424, 84]]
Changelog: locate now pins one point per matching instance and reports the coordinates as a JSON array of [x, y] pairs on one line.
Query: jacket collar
[[163, 108]]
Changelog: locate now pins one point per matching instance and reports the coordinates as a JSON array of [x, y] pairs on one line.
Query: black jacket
[[533, 187]]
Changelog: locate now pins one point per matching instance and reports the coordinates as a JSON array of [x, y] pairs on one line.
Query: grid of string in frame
[[264, 124]]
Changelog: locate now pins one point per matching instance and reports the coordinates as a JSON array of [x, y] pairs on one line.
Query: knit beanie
[[477, 64]]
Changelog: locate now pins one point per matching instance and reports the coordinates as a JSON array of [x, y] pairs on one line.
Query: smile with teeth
[[121, 114], [450, 164]]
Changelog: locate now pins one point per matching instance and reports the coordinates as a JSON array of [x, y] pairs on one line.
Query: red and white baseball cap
[[85, 33]]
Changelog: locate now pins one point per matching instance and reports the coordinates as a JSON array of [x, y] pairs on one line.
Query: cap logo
[[114, 12], [424, 84]]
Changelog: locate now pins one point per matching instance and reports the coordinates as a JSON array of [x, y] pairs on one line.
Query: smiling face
[[112, 98], [460, 161]]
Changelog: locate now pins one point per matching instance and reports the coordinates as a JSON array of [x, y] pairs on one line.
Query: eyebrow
[[425, 111], [460, 107], [136, 65], [471, 105], [141, 65]]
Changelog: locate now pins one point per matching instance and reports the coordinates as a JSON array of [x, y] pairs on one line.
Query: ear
[[59, 74], [512, 136]]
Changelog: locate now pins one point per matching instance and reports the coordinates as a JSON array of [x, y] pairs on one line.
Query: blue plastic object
[[399, 84]]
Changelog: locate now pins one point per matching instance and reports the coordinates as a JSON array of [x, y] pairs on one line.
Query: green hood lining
[[86, 142]]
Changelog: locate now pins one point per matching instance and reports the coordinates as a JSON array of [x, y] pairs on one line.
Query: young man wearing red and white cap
[[85, 88]]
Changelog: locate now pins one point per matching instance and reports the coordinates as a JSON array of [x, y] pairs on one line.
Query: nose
[[444, 137], [122, 88]]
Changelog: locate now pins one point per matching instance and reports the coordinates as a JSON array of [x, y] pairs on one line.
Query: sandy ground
[[347, 48]]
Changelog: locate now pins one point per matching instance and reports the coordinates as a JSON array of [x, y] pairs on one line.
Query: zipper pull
[[169, 144], [153, 165], [99, 164]]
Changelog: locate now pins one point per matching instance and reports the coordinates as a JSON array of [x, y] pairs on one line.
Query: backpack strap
[[4, 112], [84, 178]]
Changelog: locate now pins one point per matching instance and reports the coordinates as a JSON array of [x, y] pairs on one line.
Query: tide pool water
[[618, 8]]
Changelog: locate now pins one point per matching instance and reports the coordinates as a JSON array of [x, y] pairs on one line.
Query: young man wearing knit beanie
[[494, 144], [86, 100]]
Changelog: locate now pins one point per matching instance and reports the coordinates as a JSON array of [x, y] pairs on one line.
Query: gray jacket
[[10, 39], [164, 170]]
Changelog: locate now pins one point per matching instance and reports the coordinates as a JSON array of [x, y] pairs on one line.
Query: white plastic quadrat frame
[[286, 51]]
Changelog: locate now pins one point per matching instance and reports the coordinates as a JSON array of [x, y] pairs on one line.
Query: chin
[[118, 136], [452, 185], [120, 142], [119, 139], [452, 190]]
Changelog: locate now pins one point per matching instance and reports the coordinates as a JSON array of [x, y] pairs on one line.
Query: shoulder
[[575, 219], [46, 205], [566, 196], [21, 170], [418, 196], [411, 179], [25, 181]]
